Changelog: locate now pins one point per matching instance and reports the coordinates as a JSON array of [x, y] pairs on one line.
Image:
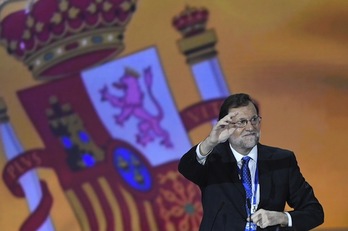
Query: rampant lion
[[132, 104]]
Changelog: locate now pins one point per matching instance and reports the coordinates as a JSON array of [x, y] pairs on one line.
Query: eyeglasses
[[255, 120]]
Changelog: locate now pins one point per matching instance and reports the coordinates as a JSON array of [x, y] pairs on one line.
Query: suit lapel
[[235, 178], [235, 170], [239, 195]]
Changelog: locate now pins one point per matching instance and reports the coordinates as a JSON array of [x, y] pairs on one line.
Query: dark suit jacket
[[223, 195]]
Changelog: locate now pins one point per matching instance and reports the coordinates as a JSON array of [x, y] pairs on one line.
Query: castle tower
[[198, 45], [29, 181]]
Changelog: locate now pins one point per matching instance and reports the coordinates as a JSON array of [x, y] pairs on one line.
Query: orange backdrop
[[290, 55]]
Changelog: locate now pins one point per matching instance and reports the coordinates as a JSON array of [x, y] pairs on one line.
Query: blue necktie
[[246, 180], [246, 177]]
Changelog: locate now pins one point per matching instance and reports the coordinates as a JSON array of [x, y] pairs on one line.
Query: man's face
[[245, 138]]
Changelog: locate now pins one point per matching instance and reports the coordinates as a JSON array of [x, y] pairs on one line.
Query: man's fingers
[[264, 218], [260, 218], [257, 215], [230, 116]]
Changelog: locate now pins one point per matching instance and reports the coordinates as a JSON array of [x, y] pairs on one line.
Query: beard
[[245, 142]]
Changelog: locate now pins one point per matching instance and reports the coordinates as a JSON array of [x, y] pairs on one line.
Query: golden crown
[[57, 38]]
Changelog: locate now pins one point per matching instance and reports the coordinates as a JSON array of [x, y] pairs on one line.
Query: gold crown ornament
[[59, 38]]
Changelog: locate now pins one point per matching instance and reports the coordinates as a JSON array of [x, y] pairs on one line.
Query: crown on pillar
[[198, 43], [191, 21], [56, 38]]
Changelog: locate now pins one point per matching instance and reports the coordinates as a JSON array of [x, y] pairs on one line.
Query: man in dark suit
[[216, 164]]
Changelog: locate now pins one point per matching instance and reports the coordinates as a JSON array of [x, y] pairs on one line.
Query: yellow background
[[289, 55]]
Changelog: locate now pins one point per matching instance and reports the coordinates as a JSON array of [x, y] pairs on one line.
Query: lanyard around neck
[[256, 182]]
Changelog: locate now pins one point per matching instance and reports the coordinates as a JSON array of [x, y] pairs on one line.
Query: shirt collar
[[252, 154]]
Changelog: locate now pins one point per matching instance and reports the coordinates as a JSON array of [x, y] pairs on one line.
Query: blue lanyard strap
[[256, 182]]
